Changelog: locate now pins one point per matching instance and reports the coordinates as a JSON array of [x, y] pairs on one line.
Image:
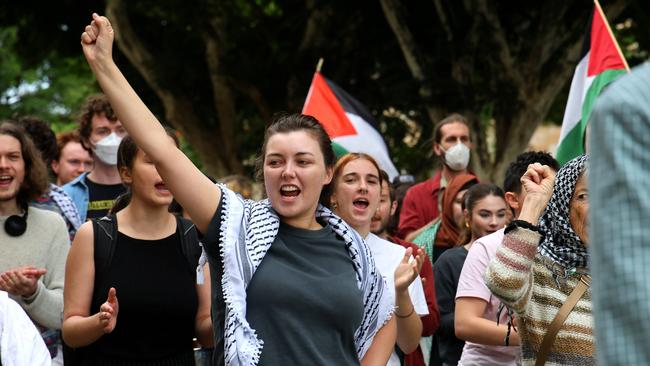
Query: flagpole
[[611, 34], [319, 65]]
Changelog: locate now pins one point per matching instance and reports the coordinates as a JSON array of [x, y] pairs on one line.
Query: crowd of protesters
[[118, 250]]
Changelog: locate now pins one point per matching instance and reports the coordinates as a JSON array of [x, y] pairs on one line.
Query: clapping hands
[[21, 281]]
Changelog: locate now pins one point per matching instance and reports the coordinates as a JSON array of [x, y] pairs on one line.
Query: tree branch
[[564, 67], [551, 35], [311, 37], [444, 22], [508, 62], [312, 27], [223, 98], [394, 13], [254, 95], [132, 46], [613, 9], [178, 108]]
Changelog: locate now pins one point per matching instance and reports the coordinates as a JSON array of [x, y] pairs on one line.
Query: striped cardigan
[[523, 280]]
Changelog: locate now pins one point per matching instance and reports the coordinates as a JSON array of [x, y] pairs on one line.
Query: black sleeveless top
[[157, 305]]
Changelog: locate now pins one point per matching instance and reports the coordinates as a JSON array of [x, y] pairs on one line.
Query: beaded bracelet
[[406, 316]]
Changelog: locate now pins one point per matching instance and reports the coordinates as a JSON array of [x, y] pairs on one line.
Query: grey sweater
[[45, 244]]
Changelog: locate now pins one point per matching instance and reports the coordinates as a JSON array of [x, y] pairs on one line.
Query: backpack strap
[[560, 318], [191, 247], [104, 239]]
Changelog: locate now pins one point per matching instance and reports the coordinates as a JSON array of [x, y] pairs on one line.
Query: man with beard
[[34, 242], [54, 199], [422, 204]]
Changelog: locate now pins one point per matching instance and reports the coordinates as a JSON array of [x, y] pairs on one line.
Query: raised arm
[[509, 275], [193, 190]]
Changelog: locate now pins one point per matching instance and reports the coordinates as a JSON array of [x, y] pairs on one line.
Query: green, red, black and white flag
[[601, 63], [348, 122]]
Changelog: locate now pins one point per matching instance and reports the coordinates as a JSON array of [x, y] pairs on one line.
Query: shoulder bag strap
[[560, 318], [104, 239]]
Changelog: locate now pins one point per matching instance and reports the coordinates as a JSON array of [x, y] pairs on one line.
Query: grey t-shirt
[[303, 300]]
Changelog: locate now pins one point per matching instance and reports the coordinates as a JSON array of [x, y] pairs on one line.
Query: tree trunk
[[218, 159], [516, 88], [394, 13]]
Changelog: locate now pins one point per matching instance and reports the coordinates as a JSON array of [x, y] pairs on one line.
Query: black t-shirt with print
[[101, 197]]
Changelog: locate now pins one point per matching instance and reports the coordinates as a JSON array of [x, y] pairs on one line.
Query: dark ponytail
[[120, 202], [126, 153]]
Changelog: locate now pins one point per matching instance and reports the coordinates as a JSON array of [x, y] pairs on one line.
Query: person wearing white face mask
[[101, 132], [421, 206]]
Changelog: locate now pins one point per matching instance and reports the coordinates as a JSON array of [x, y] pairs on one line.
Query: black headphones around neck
[[16, 225]]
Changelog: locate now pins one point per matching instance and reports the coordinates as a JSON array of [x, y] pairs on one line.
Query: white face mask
[[457, 157], [106, 149]]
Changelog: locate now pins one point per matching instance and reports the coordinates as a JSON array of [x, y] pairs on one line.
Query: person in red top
[[379, 227], [452, 143]]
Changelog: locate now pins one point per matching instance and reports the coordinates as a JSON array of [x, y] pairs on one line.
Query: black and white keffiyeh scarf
[[560, 243], [248, 229]]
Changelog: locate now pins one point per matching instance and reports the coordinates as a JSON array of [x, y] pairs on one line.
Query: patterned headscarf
[[247, 230], [561, 244]]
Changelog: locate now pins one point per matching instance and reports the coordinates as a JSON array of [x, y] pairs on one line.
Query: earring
[[335, 205], [467, 225]]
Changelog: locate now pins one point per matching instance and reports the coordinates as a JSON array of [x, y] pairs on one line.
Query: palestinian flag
[[601, 63], [348, 122]]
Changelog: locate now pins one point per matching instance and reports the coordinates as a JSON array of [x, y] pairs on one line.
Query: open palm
[[407, 271]]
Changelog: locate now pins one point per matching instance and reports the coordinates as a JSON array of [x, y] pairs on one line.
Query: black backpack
[[105, 236], [104, 240]]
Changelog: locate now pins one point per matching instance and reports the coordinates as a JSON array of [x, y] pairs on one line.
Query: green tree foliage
[[218, 70], [52, 89]]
